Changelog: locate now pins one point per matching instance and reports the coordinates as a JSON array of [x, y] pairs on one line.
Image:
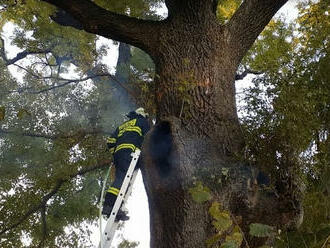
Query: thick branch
[[34, 209], [245, 73], [23, 54], [44, 227], [81, 133], [248, 22], [20, 55], [2, 49], [63, 18], [94, 19], [55, 189]]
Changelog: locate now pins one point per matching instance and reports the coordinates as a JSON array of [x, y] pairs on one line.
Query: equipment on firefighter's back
[[142, 112]]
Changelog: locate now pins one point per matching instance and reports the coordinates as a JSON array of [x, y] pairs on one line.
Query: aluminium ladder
[[125, 191]]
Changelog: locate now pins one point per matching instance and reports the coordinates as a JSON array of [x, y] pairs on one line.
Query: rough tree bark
[[198, 133]]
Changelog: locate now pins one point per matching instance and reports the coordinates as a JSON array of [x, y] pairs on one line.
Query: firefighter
[[126, 139]]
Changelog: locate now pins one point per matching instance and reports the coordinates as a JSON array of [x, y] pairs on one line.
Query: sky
[[137, 228]]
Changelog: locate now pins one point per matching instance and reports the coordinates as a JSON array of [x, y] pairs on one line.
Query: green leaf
[[235, 236], [200, 193], [229, 244], [222, 220], [214, 210], [261, 230], [2, 113]]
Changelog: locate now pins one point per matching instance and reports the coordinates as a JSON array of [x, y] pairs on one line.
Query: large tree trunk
[[198, 136]]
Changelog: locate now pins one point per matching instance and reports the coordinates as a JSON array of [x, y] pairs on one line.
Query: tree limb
[[2, 50], [248, 22], [44, 227], [23, 54], [245, 73], [20, 55], [56, 188], [63, 18], [68, 81], [53, 137], [34, 209], [96, 20]]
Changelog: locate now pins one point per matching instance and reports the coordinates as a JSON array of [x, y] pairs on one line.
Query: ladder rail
[[124, 192], [101, 199]]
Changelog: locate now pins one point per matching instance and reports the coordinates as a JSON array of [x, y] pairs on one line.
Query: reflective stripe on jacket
[[129, 135]]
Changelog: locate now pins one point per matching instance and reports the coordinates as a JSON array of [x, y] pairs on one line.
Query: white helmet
[[141, 111]]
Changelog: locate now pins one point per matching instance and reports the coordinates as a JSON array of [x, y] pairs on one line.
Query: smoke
[[161, 143]]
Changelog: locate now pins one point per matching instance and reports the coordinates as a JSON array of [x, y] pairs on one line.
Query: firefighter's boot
[[108, 204]]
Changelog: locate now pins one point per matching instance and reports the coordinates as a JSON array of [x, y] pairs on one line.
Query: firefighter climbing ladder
[[125, 191]]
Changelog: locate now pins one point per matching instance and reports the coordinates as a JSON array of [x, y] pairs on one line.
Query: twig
[[234, 220], [27, 71], [326, 241], [66, 82], [302, 237]]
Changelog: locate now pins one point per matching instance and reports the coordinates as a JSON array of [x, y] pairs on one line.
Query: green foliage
[[235, 237], [51, 135], [229, 244], [222, 220], [127, 244], [228, 234], [136, 8], [261, 230], [290, 101], [200, 193], [287, 127], [35, 31]]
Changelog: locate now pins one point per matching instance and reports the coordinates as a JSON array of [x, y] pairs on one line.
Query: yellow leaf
[[22, 113]]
